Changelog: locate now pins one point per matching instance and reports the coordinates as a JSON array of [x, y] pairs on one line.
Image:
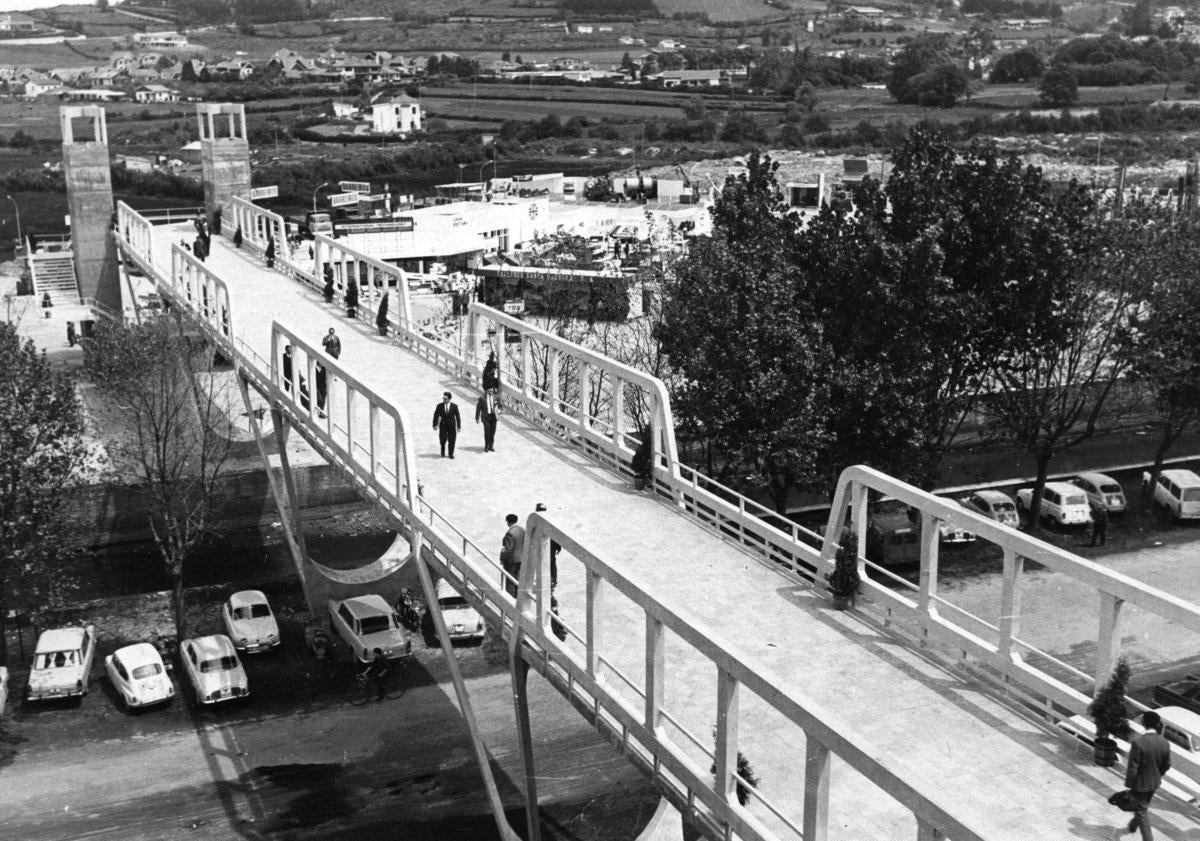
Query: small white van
[[1062, 502], [1181, 728], [1177, 492]]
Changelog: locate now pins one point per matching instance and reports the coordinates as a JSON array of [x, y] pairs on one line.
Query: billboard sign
[[257, 193], [355, 186], [343, 199]]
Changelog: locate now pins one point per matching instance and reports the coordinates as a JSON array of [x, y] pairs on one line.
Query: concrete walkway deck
[[1007, 775]]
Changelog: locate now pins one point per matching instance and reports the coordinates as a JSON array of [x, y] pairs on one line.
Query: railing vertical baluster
[[1010, 602], [1108, 640], [927, 595], [725, 782], [594, 603], [373, 414], [655, 672], [585, 395]]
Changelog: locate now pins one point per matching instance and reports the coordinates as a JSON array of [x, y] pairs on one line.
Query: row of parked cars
[[63, 658], [893, 538]]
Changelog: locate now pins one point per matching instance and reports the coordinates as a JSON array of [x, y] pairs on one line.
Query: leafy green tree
[[1059, 87], [1162, 343], [1018, 66], [42, 455], [741, 335], [175, 436]]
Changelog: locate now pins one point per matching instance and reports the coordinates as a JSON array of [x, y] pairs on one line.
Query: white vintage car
[[463, 622], [138, 675], [249, 622], [366, 623], [213, 667], [62, 663]]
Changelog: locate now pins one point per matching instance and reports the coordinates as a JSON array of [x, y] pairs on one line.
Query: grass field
[[721, 10]]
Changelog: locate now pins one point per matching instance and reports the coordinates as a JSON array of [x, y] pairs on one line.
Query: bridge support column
[[289, 514], [88, 174], [816, 790], [224, 156]]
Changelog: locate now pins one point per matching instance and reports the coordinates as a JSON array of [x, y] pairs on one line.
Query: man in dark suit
[[485, 411], [1149, 759], [512, 551], [447, 422]]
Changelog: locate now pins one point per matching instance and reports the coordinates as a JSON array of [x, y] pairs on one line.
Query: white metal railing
[[640, 711], [997, 646], [171, 215]]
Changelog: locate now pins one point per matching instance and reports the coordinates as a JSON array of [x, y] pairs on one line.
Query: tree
[[42, 455], [176, 438], [1162, 344], [806, 96], [1059, 87], [695, 108], [1019, 66], [1056, 385], [941, 86], [913, 68], [748, 355]]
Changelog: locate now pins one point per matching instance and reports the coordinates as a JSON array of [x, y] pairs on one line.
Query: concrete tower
[[224, 154], [90, 202]]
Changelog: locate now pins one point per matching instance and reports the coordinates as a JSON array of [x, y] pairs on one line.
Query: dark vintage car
[[1181, 693]]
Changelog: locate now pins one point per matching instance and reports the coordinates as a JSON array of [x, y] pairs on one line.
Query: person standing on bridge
[[287, 368], [447, 421], [270, 253], [512, 550], [332, 344], [1149, 759], [486, 409]]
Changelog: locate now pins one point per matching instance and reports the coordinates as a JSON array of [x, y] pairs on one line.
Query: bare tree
[[176, 415]]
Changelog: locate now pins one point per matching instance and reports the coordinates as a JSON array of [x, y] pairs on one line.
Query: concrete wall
[[226, 171], [90, 203]]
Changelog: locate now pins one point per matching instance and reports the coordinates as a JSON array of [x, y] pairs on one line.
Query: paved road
[[400, 769]]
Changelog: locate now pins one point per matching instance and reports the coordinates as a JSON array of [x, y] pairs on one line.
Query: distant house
[[69, 74], [235, 68], [17, 23], [585, 28], [143, 74], [398, 115], [625, 40], [155, 93], [105, 77], [42, 86], [345, 109], [122, 60], [669, 44], [689, 78], [868, 12], [161, 40], [568, 63]]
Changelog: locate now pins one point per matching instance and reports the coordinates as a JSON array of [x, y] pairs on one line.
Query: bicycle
[[395, 684]]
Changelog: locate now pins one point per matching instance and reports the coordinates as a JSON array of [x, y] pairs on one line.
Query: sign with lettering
[[405, 223], [514, 306], [343, 199], [257, 193], [355, 186]]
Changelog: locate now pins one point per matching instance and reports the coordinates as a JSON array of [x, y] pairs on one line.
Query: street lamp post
[[492, 162], [326, 184], [461, 167], [17, 211]]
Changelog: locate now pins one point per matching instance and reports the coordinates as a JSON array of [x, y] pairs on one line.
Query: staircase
[[54, 272]]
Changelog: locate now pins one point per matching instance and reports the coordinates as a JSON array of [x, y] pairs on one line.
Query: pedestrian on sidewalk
[[287, 368], [270, 253], [332, 344], [237, 237], [447, 421], [1149, 759], [1099, 524], [486, 410], [200, 249], [71, 334], [512, 550], [327, 291], [555, 548]]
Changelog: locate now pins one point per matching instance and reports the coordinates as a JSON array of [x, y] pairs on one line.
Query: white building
[[155, 93], [160, 40], [398, 115]]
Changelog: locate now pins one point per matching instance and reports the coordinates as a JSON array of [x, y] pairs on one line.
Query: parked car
[[1102, 491], [1181, 693], [366, 623], [249, 622], [1177, 492], [1062, 502], [893, 538], [950, 533], [213, 668], [463, 622], [1181, 728], [62, 663], [139, 676], [994, 505]]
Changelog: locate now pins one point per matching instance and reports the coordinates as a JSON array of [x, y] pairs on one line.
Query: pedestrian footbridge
[[694, 629]]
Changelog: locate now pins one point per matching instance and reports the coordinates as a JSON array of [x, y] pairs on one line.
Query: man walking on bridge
[[512, 550], [447, 422], [332, 344], [486, 409], [1149, 759]]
